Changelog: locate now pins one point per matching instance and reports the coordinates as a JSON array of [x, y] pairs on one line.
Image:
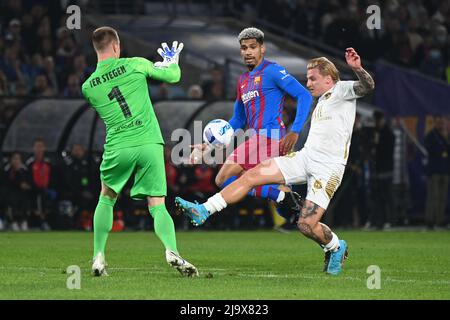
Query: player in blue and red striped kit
[[259, 105]]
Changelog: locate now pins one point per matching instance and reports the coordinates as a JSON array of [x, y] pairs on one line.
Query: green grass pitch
[[243, 265]]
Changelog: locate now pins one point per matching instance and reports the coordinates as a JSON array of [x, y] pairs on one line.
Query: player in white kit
[[320, 164]]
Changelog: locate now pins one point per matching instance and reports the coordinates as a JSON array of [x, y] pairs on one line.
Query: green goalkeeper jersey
[[118, 91]]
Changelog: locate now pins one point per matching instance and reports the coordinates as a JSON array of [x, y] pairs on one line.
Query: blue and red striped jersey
[[260, 100]]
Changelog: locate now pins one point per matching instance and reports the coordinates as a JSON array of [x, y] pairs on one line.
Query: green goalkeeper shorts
[[146, 162]]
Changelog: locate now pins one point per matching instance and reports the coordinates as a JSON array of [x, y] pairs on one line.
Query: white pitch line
[[240, 274]]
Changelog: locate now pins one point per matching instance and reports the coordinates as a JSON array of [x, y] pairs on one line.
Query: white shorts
[[323, 179]]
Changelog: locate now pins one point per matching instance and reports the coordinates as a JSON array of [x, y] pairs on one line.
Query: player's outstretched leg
[[265, 173], [335, 249], [165, 231], [103, 220], [196, 212]]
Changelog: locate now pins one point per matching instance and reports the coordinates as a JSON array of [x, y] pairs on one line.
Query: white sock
[[333, 245], [215, 203], [281, 196]]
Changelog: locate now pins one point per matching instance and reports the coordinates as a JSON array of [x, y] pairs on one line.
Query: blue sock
[[269, 191], [230, 180]]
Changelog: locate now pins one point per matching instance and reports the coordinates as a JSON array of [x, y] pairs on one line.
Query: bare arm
[[365, 83]]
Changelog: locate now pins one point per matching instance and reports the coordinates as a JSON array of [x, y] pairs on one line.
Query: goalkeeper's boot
[[99, 265], [196, 212], [291, 207], [336, 259], [185, 268]]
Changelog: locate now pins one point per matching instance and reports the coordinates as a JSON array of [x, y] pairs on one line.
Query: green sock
[[164, 227], [103, 220]]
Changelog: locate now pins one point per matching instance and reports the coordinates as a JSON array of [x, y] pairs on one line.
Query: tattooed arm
[[365, 83]]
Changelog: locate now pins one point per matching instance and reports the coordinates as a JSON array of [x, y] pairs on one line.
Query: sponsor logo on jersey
[[290, 154], [246, 97], [128, 125]]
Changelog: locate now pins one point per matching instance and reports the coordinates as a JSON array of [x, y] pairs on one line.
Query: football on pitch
[[218, 133]]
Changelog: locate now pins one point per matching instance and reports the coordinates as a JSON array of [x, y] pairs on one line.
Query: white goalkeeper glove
[[169, 56]]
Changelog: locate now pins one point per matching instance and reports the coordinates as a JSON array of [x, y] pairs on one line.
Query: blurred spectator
[[46, 47], [80, 68], [441, 13], [73, 88], [50, 73], [195, 92], [21, 89], [162, 92], [415, 38], [37, 66], [67, 49], [213, 86], [11, 65], [13, 33], [438, 170], [4, 89], [17, 187], [41, 87], [40, 169], [382, 153], [433, 63], [77, 187], [205, 177]]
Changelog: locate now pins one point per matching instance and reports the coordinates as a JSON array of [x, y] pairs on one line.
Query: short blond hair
[[325, 67], [103, 36]]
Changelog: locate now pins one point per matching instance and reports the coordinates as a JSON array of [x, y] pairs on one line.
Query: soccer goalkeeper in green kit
[[118, 91]]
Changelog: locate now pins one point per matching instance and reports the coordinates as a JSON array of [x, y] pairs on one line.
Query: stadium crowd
[[39, 57], [414, 33]]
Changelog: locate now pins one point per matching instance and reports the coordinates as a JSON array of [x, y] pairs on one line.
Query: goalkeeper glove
[[169, 56]]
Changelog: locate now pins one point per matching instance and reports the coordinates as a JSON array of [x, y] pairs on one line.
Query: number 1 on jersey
[[116, 94]]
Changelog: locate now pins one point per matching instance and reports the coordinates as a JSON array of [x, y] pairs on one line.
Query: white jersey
[[332, 124]]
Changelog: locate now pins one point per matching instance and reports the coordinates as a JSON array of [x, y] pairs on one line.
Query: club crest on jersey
[[317, 184], [246, 97], [327, 95], [257, 79], [290, 154]]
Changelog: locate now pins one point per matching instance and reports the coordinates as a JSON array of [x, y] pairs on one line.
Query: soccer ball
[[218, 133]]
